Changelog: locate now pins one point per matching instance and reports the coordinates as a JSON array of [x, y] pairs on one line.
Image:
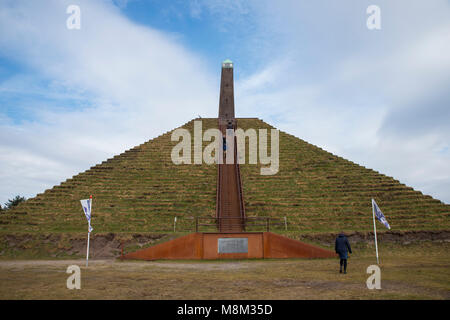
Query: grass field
[[418, 270]]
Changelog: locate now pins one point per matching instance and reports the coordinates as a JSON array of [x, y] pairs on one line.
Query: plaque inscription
[[232, 245]]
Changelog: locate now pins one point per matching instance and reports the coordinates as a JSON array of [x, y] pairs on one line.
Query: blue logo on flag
[[87, 207], [380, 216], [86, 204]]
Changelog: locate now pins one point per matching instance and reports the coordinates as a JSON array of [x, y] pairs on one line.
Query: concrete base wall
[[205, 246]]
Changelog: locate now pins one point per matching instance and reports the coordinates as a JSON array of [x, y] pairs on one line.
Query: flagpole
[[375, 229], [89, 232], [87, 252]]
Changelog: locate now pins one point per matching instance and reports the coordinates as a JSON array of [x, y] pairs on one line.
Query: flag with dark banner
[[380, 216]]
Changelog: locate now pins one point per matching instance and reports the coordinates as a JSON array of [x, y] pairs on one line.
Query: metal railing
[[220, 206], [247, 223]]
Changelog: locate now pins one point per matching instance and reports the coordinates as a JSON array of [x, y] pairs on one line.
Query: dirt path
[[402, 278], [205, 266]]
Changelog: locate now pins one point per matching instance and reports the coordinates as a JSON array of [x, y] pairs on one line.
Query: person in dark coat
[[342, 247]]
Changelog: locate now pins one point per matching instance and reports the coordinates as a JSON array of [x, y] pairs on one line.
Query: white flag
[[87, 206], [379, 215]]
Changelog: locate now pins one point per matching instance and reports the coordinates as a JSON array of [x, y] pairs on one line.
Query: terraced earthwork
[[141, 190]]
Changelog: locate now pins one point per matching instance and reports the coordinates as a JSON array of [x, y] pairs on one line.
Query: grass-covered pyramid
[[141, 190]]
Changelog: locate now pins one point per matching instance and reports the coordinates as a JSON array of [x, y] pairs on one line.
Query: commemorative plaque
[[232, 245]]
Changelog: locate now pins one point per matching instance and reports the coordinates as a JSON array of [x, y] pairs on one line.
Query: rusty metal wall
[[205, 246], [189, 247], [276, 246]]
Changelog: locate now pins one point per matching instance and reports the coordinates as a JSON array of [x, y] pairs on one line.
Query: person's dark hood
[[341, 235]]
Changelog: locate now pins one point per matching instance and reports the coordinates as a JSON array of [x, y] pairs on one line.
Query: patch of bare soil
[[101, 245]]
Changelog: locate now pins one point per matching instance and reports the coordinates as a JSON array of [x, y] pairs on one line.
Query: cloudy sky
[[69, 99]]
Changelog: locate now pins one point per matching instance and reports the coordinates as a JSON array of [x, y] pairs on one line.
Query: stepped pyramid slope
[[141, 190]]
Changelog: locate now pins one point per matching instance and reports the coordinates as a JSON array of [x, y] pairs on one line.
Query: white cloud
[[128, 83], [377, 98]]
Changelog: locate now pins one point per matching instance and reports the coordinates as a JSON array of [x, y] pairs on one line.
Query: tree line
[[11, 203]]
